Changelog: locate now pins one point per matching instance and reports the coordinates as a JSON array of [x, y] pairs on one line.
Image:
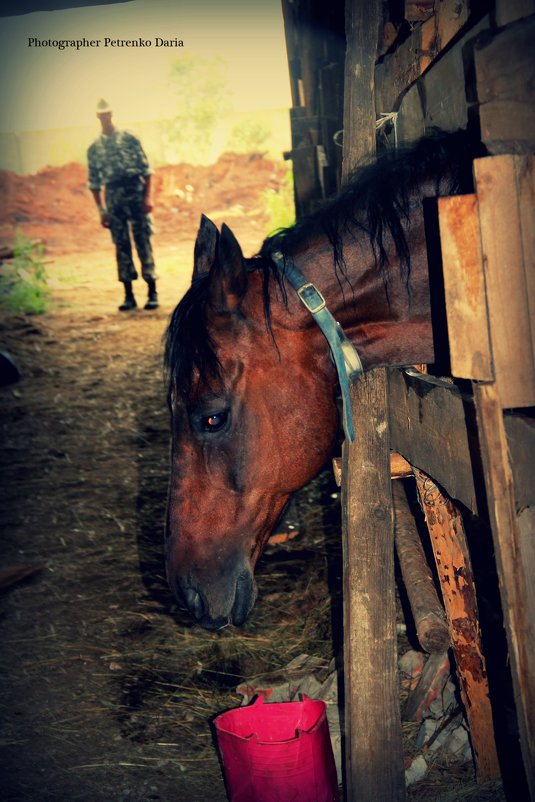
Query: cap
[[103, 106]]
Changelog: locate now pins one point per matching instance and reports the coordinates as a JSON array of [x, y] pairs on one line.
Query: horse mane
[[377, 200]]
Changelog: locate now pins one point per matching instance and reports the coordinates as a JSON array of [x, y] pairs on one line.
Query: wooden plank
[[374, 748], [505, 71], [304, 128], [419, 10], [399, 468], [440, 91], [525, 186], [362, 33], [454, 569], [427, 612], [410, 122], [398, 70], [428, 427], [433, 678], [464, 286], [520, 433], [373, 726], [306, 185], [438, 31], [514, 539], [505, 277], [292, 48], [510, 10]]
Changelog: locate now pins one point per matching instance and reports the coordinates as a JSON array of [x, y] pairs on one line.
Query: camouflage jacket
[[115, 158]]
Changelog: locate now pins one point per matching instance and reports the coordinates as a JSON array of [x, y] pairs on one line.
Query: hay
[[97, 635]]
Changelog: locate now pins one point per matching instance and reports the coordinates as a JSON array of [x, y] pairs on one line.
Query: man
[[116, 160]]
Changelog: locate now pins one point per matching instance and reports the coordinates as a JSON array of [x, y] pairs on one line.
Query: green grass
[[280, 204], [23, 281]]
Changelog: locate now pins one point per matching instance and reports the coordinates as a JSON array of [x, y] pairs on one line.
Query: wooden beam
[[362, 33], [419, 10], [427, 611], [505, 71], [374, 747], [428, 427], [510, 10], [464, 286], [438, 98], [454, 569], [374, 757], [399, 468], [520, 433], [514, 546], [398, 70], [505, 228]]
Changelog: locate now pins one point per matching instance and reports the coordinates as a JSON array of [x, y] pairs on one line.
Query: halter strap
[[344, 353]]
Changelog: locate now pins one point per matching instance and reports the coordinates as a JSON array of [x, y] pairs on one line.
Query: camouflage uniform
[[119, 162]]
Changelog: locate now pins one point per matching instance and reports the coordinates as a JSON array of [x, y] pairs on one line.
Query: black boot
[[129, 302], [152, 300]]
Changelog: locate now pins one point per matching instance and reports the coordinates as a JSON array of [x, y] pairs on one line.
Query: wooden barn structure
[[373, 75]]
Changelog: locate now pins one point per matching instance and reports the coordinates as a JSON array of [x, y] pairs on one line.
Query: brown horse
[[252, 386]]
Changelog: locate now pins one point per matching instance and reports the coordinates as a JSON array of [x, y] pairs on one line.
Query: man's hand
[[104, 218]]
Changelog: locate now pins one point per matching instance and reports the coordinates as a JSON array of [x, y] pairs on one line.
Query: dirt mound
[[56, 206], [53, 195]]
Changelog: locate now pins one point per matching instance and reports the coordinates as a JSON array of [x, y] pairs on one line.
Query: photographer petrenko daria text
[[106, 41]]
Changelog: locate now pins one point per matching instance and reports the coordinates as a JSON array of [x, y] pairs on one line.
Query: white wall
[[29, 151]]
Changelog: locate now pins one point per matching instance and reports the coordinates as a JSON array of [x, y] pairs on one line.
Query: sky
[[44, 87]]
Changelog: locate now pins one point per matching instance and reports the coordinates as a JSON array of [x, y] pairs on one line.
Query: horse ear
[[205, 251], [228, 278]]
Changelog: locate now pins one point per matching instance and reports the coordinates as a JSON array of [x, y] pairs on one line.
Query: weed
[[23, 281], [280, 205], [249, 136]]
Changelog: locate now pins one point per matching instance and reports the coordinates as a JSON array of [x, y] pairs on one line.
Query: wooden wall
[[404, 69], [315, 41]]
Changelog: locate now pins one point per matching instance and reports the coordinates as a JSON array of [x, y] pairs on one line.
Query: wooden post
[[374, 758], [362, 31], [457, 583], [427, 612], [505, 184], [515, 560], [374, 750]]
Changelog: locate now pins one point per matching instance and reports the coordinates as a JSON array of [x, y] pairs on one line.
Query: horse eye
[[215, 422]]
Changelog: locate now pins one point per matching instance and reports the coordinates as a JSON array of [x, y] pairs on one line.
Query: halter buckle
[[311, 297]]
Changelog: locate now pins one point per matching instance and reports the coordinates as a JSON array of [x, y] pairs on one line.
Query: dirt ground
[[108, 690]]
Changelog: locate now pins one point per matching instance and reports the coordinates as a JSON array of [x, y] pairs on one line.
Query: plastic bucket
[[279, 752]]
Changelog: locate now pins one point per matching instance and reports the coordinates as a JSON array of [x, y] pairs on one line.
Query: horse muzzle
[[215, 606]]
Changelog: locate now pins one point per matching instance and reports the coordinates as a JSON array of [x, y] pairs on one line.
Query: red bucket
[[278, 751]]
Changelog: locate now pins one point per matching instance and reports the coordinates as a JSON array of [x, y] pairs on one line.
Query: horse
[[252, 383]]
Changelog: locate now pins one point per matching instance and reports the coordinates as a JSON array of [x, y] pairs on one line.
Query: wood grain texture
[[362, 33], [510, 10], [459, 595], [427, 611], [506, 267], [375, 769], [505, 72], [513, 537], [464, 286], [428, 427]]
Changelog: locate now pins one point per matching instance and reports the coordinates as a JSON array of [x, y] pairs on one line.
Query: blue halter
[[344, 353]]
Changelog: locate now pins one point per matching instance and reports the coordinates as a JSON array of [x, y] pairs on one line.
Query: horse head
[[253, 419], [252, 386]]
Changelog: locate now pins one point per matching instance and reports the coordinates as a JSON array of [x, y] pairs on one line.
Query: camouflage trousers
[[124, 204]]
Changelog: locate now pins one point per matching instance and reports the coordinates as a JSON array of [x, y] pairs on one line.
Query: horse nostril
[[194, 601], [244, 598]]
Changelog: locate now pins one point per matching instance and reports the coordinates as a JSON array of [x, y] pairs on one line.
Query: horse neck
[[384, 313]]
